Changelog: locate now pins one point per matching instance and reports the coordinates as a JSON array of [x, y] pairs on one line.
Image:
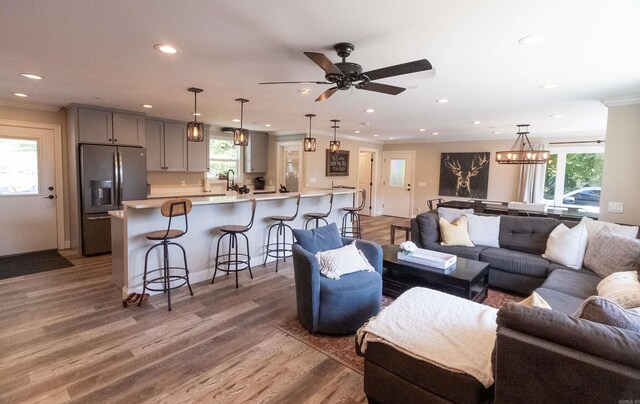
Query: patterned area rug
[[342, 348]]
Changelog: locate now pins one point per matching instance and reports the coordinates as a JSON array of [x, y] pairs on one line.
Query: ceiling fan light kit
[[240, 136], [310, 142], [334, 145], [344, 75], [195, 129], [522, 152]]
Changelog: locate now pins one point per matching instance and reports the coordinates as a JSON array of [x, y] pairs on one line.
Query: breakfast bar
[[141, 217]]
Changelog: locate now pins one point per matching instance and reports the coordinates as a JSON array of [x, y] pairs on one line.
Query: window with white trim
[[573, 177], [224, 156]]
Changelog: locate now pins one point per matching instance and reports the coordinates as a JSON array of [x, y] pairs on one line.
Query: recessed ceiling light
[[370, 110], [304, 91], [196, 114], [435, 133], [268, 125], [356, 131], [147, 106], [442, 101], [32, 76], [555, 116], [166, 48], [476, 122], [422, 130], [235, 120], [374, 135], [19, 94], [367, 124], [532, 39], [548, 86], [496, 133], [391, 138]]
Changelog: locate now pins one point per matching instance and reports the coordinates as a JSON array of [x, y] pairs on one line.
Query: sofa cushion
[[606, 312], [515, 261], [471, 253], [572, 283], [455, 233], [621, 287], [609, 252], [559, 301], [320, 239], [428, 225], [554, 265], [452, 214], [484, 230], [567, 246], [527, 234]]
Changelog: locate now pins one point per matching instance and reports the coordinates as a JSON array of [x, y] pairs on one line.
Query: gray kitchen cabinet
[[154, 138], [255, 153], [128, 129], [94, 126], [198, 154], [175, 146]]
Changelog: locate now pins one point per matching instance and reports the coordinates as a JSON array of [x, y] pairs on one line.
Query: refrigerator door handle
[[116, 180], [120, 179]]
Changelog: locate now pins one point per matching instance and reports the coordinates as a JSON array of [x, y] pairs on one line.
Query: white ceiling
[[100, 52]]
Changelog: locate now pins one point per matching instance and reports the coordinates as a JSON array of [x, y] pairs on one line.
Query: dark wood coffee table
[[467, 278]]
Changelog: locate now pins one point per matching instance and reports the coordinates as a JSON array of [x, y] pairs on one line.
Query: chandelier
[[522, 152]]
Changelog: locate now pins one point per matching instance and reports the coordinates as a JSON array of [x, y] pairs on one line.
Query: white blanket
[[447, 331]]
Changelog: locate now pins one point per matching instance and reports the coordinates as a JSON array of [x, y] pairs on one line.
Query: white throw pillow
[[622, 288], [452, 214], [484, 230], [567, 246], [535, 300], [594, 226], [342, 261]]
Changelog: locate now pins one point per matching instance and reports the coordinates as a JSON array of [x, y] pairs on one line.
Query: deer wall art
[[464, 174]]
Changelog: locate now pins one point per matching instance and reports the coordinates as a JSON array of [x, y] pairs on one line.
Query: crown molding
[[38, 107], [619, 101]]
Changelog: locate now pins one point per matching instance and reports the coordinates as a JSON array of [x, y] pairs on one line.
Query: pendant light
[[522, 152], [240, 136], [310, 142], [334, 145], [195, 129]]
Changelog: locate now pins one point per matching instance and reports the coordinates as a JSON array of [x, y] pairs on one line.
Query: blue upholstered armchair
[[337, 306]]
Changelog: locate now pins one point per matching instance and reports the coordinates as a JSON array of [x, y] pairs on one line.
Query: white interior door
[[365, 179], [27, 190], [397, 183]]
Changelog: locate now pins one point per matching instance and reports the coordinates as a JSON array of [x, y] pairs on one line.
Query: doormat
[[32, 263], [342, 348]]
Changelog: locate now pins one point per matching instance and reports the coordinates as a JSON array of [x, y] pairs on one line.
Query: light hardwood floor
[[64, 336]]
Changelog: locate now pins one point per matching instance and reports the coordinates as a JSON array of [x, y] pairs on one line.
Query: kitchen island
[[208, 213]]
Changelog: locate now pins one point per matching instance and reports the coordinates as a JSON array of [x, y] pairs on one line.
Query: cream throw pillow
[[342, 261], [456, 233], [535, 300], [622, 288], [594, 226], [567, 246]]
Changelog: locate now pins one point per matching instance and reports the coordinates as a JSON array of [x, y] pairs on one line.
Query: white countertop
[[118, 214], [212, 200]]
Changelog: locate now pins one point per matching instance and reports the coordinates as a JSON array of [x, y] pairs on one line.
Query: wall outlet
[[184, 182], [615, 207]]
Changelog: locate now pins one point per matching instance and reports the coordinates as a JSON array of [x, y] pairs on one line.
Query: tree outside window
[[223, 156]]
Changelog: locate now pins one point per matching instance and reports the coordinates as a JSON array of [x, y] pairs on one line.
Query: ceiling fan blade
[[398, 70], [327, 94], [324, 62], [296, 82], [382, 88]]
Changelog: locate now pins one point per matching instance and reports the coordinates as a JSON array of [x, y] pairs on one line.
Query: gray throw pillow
[[609, 252], [451, 214], [484, 230], [604, 311]]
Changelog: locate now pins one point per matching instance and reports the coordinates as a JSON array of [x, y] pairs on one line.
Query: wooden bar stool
[[171, 208], [352, 216], [282, 249], [240, 261], [319, 216]]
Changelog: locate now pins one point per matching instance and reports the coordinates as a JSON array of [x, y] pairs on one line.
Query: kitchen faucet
[[229, 177]]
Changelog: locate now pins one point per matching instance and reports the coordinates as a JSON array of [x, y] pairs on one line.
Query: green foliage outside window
[[223, 156], [550, 177], [581, 170]]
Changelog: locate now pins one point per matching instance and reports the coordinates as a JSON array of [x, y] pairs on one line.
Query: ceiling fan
[[346, 74]]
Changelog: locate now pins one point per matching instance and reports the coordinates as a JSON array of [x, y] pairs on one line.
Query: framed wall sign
[[464, 174], [337, 163]]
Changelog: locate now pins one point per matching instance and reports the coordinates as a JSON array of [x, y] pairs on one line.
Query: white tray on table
[[430, 258]]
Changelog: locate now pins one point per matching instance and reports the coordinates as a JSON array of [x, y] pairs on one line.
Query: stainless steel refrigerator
[[109, 175]]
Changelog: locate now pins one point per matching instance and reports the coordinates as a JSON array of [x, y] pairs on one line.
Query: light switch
[[615, 207]]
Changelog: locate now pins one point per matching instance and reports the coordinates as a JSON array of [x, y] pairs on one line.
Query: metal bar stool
[[240, 261], [319, 216], [170, 209], [352, 216], [282, 248]]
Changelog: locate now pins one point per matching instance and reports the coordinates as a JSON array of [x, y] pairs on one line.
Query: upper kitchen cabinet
[[154, 136], [166, 145], [255, 153], [198, 154], [106, 127]]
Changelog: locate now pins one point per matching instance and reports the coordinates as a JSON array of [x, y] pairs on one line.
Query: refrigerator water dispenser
[[100, 193]]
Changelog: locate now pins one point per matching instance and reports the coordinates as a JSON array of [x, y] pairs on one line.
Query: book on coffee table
[[430, 258]]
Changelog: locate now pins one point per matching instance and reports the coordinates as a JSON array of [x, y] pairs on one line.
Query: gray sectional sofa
[[541, 355]]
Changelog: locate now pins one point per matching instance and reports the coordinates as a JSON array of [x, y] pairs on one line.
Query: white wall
[[621, 164]]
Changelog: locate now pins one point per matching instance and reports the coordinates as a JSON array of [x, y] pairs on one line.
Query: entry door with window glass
[[27, 194], [291, 168], [398, 171]]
